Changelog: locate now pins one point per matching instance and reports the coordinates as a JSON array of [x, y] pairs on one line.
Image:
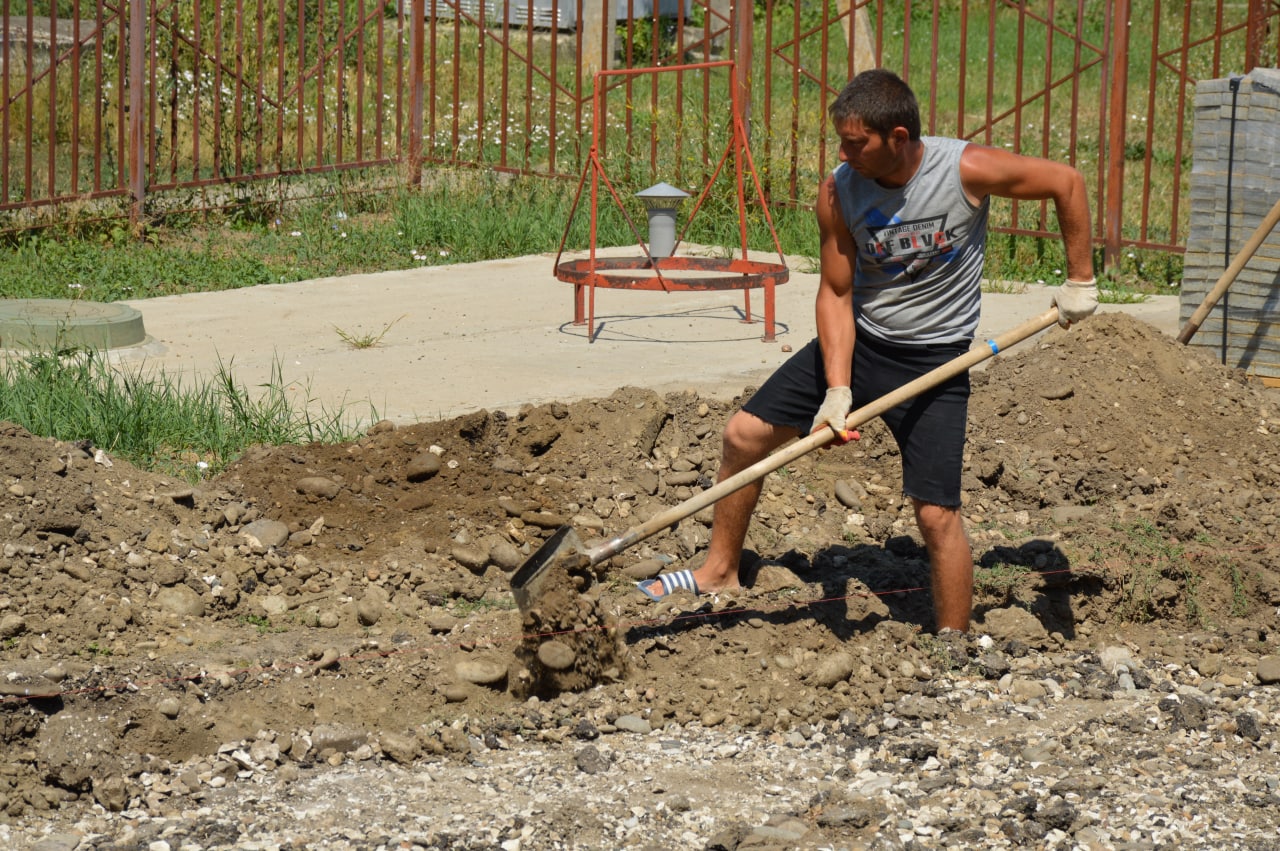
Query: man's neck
[[912, 156]]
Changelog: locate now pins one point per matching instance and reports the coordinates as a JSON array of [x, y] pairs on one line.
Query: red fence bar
[[28, 167], [1257, 53], [196, 79], [4, 95], [742, 26], [238, 107], [171, 106], [416, 84], [138, 44], [51, 167], [1117, 96]]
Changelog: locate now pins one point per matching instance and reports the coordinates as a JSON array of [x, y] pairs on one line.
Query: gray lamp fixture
[[662, 201]]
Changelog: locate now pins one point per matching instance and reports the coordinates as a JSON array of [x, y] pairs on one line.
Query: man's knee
[[934, 513], [736, 428], [747, 437], [937, 520]]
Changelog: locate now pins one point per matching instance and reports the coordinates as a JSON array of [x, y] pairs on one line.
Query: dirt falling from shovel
[[569, 640]]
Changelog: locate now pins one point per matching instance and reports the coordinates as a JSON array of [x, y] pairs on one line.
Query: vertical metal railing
[[137, 46], [1117, 89]]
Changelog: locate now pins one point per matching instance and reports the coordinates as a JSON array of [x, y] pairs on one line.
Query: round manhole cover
[[50, 323]]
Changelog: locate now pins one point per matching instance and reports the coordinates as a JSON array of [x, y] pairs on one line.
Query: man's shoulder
[[944, 143]]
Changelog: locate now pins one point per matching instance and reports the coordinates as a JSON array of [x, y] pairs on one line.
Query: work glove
[[834, 411], [1075, 300]]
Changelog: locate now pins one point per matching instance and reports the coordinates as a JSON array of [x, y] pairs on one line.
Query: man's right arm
[[833, 306]]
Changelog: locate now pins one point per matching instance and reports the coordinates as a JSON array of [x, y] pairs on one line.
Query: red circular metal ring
[[739, 274]]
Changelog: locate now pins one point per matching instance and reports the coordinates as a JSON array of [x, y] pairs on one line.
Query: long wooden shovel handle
[[1229, 275], [822, 438]]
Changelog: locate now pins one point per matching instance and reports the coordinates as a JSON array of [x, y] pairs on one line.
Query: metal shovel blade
[[526, 582]]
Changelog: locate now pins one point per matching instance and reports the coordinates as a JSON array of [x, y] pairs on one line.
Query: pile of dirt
[[1115, 482]]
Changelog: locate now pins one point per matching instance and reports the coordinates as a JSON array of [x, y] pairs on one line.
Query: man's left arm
[[992, 171]]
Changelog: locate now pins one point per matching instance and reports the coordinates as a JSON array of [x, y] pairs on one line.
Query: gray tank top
[[920, 250]]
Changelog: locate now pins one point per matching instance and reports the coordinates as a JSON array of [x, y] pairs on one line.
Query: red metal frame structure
[[741, 274], [144, 106]]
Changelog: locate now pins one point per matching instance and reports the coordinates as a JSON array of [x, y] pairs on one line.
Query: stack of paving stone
[[1235, 181]]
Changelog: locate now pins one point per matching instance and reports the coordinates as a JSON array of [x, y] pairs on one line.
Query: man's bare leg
[[951, 564], [746, 440]]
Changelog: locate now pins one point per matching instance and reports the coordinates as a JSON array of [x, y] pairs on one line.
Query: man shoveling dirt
[[903, 222]]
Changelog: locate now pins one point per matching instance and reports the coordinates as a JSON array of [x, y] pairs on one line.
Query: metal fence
[[132, 108]]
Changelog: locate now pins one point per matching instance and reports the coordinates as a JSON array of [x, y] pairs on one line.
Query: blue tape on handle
[[995, 349]]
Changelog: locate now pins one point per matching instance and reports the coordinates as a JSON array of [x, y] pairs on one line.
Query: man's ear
[[899, 136]]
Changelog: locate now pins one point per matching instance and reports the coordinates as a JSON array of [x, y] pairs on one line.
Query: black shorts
[[929, 429]]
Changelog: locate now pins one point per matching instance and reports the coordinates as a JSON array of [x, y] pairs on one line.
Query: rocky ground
[[319, 648]]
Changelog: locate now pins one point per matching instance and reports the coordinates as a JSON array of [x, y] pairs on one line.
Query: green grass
[[261, 623], [152, 419], [1014, 260], [364, 339], [463, 219], [1239, 591], [464, 608], [102, 269], [95, 650], [1153, 561], [1000, 580]]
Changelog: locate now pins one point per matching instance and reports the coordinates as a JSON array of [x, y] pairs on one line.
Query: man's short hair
[[880, 100]]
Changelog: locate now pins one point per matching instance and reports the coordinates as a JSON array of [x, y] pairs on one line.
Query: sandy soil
[[1119, 488]]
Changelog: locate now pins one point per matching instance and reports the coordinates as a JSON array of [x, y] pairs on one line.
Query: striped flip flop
[[679, 580]]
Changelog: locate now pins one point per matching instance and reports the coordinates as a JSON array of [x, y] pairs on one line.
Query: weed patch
[[155, 421], [1154, 573]]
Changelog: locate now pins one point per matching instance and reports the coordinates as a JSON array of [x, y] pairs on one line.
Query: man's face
[[867, 152]]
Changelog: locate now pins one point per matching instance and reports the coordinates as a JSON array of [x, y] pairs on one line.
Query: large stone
[[833, 669], [1269, 670], [399, 748], [12, 625], [167, 573], [481, 672], [274, 604], [455, 741], [633, 724], [505, 555], [556, 655], [318, 486], [1014, 623], [16, 682], [422, 467], [371, 607], [181, 601], [337, 737], [646, 569], [111, 793], [850, 494], [265, 534], [1113, 658], [473, 558], [157, 541], [590, 761]]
